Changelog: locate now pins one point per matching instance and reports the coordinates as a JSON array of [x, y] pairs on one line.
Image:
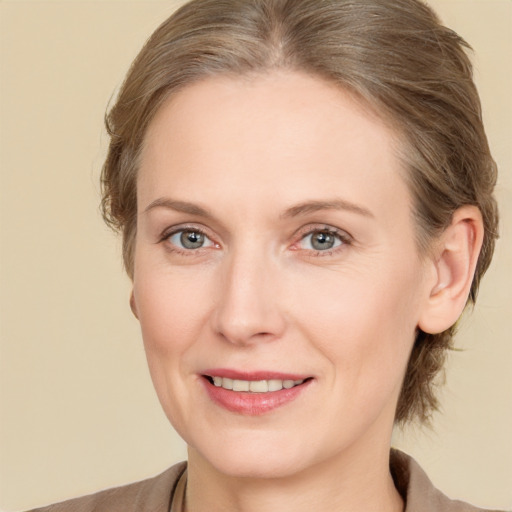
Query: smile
[[253, 393], [255, 386]]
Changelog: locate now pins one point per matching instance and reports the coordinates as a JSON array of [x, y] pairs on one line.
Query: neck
[[351, 483]]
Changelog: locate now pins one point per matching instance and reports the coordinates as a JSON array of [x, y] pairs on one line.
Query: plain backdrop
[[78, 411]]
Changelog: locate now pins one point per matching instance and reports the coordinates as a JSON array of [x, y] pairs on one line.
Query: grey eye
[[321, 241], [190, 239]]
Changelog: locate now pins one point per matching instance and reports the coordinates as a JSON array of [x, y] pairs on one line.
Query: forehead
[[293, 130]]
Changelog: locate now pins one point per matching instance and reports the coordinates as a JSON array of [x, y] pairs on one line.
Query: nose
[[248, 306]]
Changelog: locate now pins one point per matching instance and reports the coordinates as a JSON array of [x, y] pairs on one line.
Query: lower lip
[[252, 404]]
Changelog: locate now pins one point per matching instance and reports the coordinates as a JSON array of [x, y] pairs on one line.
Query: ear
[[133, 305], [454, 262]]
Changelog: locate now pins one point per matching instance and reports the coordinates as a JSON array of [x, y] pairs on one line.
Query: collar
[[417, 491]]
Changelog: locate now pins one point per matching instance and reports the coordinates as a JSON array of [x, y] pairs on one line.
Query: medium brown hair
[[393, 54]]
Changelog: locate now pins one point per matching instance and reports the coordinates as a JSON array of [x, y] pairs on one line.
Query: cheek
[[171, 310], [171, 306], [363, 322]]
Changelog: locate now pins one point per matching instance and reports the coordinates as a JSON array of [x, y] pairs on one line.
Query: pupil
[[322, 241], [192, 239]]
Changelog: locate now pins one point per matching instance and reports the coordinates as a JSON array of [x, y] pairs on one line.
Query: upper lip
[[253, 375]]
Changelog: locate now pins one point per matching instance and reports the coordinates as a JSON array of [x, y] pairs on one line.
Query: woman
[[305, 194]]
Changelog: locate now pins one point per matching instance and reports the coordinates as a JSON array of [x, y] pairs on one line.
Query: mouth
[[254, 386], [253, 393]]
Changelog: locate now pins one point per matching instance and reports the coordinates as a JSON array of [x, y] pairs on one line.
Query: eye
[[190, 239], [321, 240]]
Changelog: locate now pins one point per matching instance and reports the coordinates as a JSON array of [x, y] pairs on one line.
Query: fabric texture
[[151, 495], [156, 494]]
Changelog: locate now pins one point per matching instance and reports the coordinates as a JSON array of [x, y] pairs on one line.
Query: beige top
[[166, 493]]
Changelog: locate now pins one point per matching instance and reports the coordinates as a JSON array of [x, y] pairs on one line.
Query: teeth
[[258, 386], [275, 385], [255, 386], [240, 385]]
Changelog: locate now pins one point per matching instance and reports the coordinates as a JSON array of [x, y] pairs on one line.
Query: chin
[[260, 467], [255, 458]]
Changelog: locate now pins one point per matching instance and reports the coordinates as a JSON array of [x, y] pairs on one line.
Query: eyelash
[[165, 238], [343, 237]]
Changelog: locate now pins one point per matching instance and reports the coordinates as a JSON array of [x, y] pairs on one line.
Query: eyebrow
[[295, 211], [335, 204], [179, 206]]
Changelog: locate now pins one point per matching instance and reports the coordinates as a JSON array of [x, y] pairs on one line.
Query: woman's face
[[275, 248]]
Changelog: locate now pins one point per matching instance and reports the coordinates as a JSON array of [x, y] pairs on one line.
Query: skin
[[237, 159]]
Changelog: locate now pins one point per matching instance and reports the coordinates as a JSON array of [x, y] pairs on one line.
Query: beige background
[[78, 411]]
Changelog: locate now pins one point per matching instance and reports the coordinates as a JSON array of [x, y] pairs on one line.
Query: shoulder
[[418, 491], [151, 495]]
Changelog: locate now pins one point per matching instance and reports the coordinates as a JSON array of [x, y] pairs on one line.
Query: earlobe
[[454, 263], [133, 305]]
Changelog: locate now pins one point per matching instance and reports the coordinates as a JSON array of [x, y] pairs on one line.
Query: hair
[[394, 55]]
